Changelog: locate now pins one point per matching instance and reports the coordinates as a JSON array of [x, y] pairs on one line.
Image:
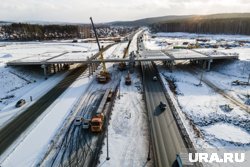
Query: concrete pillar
[[44, 70], [204, 64], [171, 66], [209, 64], [58, 68], [89, 67], [54, 68]]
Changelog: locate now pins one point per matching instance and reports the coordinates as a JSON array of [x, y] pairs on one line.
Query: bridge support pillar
[[209, 64], [57, 66], [54, 68], [44, 70]]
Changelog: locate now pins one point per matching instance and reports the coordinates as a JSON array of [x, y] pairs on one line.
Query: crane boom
[[96, 37], [104, 75]]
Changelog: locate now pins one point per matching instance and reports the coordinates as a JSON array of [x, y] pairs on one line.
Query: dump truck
[[97, 120]]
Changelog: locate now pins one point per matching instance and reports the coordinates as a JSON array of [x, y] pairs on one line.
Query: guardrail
[[174, 107]]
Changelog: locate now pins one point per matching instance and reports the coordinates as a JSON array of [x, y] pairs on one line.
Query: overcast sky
[[112, 10]]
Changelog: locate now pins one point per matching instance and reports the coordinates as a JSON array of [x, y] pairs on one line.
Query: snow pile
[[128, 130], [228, 132], [201, 105]]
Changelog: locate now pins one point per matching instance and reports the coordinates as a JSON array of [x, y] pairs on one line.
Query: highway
[[16, 127], [10, 132], [166, 138]]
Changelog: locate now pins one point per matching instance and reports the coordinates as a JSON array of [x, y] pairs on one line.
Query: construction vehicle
[[128, 79], [104, 75], [122, 65], [237, 83], [97, 121]]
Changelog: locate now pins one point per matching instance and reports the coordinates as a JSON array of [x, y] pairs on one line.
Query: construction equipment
[[97, 120], [243, 83], [122, 65], [128, 79], [104, 75]]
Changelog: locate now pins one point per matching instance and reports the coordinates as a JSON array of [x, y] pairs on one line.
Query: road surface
[[166, 138]]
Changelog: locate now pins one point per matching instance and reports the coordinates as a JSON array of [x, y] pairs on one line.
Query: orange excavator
[[104, 75]]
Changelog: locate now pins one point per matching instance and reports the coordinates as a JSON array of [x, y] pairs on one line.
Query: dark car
[[20, 103], [162, 106]]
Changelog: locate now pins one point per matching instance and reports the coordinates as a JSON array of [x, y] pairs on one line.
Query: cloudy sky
[[112, 10]]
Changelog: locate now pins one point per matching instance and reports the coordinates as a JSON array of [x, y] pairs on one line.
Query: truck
[[97, 120]]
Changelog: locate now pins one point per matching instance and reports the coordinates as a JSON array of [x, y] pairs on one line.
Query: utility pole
[[248, 79], [201, 78], [107, 158]]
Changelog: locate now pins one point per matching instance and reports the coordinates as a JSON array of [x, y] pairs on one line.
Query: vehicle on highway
[[86, 123], [154, 78], [20, 103], [78, 121], [178, 159], [162, 106], [97, 122]]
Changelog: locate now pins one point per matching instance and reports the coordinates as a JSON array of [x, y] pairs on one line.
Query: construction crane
[[104, 75], [122, 65]]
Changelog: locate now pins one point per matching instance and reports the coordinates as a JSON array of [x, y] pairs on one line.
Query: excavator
[[104, 75], [122, 65]]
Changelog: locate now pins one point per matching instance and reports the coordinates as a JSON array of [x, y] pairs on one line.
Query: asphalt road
[[166, 138], [14, 129]]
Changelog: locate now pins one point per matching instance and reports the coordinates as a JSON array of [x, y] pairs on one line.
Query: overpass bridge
[[167, 56]]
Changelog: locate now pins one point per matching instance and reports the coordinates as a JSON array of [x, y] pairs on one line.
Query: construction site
[[143, 100]]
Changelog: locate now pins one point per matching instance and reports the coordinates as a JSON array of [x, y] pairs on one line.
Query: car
[[20, 103], [86, 123], [162, 106], [78, 121], [155, 78]]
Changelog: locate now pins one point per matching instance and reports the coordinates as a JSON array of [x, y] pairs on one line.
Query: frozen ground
[[128, 130]]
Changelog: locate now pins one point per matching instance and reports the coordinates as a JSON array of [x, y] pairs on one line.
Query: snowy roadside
[[36, 139], [128, 129]]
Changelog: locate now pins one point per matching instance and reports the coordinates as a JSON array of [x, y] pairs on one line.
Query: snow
[[228, 132], [128, 130]]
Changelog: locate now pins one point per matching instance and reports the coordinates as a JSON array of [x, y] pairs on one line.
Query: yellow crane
[[104, 75]]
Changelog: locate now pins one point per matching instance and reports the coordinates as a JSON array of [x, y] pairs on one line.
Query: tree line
[[211, 26], [21, 31]]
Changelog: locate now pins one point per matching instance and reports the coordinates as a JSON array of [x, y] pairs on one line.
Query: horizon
[[77, 11], [62, 22]]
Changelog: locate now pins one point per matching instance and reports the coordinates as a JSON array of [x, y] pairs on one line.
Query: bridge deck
[[148, 55]]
